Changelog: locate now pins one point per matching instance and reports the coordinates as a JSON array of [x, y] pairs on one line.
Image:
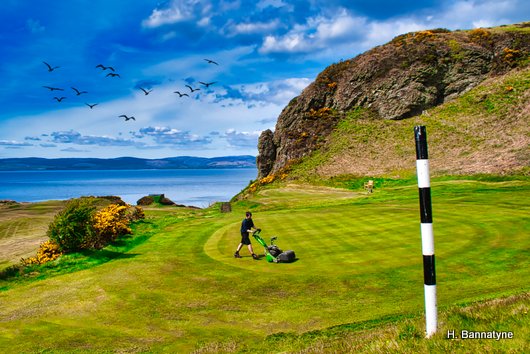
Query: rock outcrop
[[398, 80]]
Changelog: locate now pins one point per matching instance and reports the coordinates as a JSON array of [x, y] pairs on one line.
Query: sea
[[193, 187]]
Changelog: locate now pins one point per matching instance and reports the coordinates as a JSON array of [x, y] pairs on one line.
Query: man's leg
[[236, 255], [252, 251]]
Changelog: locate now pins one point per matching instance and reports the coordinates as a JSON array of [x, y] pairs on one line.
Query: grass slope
[[357, 285], [486, 130], [23, 227]]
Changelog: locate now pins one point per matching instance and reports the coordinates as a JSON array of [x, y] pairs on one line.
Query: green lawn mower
[[273, 253]]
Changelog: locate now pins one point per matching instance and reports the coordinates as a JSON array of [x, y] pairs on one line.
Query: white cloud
[[245, 28], [341, 26], [242, 139], [73, 137], [466, 14], [164, 17], [262, 94], [344, 34], [315, 34], [383, 31], [263, 4], [177, 11], [171, 136], [13, 143], [72, 149]]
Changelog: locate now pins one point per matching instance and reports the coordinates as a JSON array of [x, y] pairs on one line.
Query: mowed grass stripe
[[332, 239]]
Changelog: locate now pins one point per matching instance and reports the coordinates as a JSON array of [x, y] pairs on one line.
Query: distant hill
[[471, 89], [126, 163]]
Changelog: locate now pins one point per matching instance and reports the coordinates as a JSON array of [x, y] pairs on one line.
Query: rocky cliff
[[401, 79]]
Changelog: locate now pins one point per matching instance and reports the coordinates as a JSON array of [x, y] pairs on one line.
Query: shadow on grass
[[142, 230], [262, 256], [108, 255], [64, 265], [69, 263]]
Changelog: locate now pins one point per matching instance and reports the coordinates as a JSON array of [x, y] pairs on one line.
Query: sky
[[264, 54]]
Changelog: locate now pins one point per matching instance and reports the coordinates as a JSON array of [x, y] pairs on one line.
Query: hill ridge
[[121, 163], [402, 80]]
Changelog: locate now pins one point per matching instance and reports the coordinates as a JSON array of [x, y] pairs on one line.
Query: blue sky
[[267, 52]]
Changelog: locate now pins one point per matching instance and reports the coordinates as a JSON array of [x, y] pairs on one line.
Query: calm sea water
[[199, 187]]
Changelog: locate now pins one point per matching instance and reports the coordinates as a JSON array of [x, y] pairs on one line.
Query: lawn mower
[[272, 252]]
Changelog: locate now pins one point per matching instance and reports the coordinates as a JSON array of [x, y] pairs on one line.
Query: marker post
[[427, 236]]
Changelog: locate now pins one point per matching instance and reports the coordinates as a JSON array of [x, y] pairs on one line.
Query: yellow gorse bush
[[267, 180], [48, 251], [112, 221], [320, 113], [511, 55]]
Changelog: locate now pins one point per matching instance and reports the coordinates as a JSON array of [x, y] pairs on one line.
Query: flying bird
[[181, 94], [105, 67], [211, 61], [112, 75], [207, 84], [146, 92], [126, 117], [59, 99], [192, 89], [50, 68], [77, 92], [91, 105], [53, 88]]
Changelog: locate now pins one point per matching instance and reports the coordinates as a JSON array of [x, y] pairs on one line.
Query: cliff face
[[395, 81]]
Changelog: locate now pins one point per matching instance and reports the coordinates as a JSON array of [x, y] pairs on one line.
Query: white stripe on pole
[[422, 166], [431, 311], [427, 239]]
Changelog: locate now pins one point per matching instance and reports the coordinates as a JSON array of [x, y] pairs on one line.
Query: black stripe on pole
[[425, 205], [429, 272], [420, 134]]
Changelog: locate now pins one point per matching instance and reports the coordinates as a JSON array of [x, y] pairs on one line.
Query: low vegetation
[[84, 224], [357, 285]]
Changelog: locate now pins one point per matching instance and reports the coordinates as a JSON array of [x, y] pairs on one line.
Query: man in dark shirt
[[246, 228]]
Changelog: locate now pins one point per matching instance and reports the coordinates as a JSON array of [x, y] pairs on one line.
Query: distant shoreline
[[188, 186], [126, 163]]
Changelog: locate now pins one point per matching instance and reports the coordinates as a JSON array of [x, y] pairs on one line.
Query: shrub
[[135, 213], [109, 223], [422, 36], [72, 226], [266, 180], [81, 226], [481, 36], [147, 200], [48, 251], [511, 56]]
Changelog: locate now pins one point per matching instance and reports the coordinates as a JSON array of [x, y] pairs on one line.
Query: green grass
[[22, 228], [457, 131], [357, 285]]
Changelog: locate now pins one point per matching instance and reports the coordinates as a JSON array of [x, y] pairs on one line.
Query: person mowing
[[246, 228]]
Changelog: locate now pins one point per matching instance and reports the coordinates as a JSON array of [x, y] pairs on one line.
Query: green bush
[[72, 228]]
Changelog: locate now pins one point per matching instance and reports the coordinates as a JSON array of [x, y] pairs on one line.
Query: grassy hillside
[[487, 130], [22, 228], [357, 284]]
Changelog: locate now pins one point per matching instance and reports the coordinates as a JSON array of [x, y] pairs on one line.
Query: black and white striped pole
[[427, 236]]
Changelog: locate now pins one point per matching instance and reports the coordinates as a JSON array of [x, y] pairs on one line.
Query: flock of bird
[[112, 74]]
